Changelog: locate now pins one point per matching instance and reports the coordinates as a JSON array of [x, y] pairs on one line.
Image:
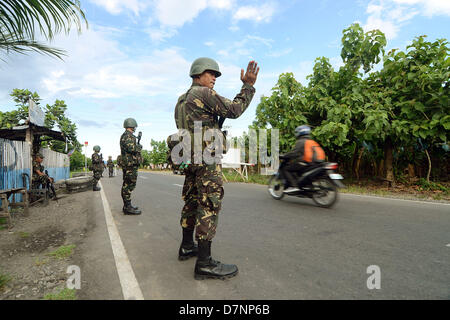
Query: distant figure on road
[[39, 177], [97, 167], [203, 191], [130, 161], [110, 165]]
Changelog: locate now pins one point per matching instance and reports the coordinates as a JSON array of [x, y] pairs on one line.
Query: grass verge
[[4, 279], [65, 294], [62, 252], [3, 223]]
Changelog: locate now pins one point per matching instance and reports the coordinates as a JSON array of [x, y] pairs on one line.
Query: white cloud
[[245, 47], [279, 53], [261, 13], [391, 15], [118, 6], [431, 7], [162, 33], [176, 13]]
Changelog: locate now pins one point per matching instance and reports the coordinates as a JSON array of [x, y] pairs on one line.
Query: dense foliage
[[55, 119], [375, 122]]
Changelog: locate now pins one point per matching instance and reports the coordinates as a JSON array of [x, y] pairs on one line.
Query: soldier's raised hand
[[251, 74]]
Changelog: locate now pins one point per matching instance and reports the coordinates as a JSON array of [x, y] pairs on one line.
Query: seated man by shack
[[39, 176]]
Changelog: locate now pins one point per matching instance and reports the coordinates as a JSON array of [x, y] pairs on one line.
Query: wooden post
[[29, 140]]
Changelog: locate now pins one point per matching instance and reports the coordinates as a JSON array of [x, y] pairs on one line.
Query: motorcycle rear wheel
[[276, 187], [327, 194]]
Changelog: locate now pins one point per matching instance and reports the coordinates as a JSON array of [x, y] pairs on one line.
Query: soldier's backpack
[[313, 152]]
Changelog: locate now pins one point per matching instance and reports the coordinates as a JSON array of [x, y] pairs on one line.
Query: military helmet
[[200, 65], [96, 148], [302, 131], [130, 123], [39, 155]]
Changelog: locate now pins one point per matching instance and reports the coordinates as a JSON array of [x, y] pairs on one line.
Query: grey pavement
[[287, 249]]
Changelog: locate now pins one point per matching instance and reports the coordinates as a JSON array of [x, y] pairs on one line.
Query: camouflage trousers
[[202, 196], [129, 182], [40, 180], [97, 176], [111, 170]]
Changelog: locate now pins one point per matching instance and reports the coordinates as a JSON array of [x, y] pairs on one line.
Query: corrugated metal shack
[[18, 146]]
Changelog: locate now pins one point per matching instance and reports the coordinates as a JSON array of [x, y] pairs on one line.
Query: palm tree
[[21, 19]]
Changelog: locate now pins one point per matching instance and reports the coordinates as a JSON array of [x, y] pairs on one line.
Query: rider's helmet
[[302, 131]]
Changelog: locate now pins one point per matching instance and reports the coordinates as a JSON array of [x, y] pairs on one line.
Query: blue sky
[[134, 59]]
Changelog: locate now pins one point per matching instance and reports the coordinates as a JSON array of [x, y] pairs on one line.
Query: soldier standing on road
[[130, 161], [202, 190], [110, 165], [97, 167]]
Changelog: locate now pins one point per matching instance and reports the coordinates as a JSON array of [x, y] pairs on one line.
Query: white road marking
[[178, 185], [143, 177], [130, 286], [448, 245]]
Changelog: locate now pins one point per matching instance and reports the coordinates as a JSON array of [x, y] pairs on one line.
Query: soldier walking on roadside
[[203, 191], [97, 167], [130, 161]]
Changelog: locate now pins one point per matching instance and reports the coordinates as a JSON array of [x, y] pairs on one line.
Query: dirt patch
[[28, 263]]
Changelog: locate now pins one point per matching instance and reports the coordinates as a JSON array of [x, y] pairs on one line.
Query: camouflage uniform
[[202, 190], [110, 166], [130, 160], [37, 179], [97, 167]]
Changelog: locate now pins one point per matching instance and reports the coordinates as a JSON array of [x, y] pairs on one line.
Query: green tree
[[358, 114], [20, 20], [146, 158], [417, 86], [76, 160], [158, 152], [55, 116]]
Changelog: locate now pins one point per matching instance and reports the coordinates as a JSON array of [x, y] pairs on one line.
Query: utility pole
[[85, 157]]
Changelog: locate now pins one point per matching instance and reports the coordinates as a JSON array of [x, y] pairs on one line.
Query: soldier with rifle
[[40, 176], [131, 158]]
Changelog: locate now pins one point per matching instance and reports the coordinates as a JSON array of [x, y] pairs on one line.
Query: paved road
[[288, 249]]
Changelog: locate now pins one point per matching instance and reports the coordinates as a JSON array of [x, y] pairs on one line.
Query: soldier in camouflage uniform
[[202, 190], [130, 161], [97, 167], [39, 177], [110, 165]]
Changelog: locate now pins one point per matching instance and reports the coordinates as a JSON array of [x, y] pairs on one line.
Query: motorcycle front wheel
[[276, 187], [326, 194]]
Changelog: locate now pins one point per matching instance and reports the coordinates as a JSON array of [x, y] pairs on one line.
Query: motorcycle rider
[[305, 155]]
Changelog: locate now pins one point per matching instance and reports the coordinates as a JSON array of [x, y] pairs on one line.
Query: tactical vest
[[182, 123]]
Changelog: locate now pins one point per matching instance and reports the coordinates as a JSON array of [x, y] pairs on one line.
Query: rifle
[[50, 187], [224, 132], [139, 143]]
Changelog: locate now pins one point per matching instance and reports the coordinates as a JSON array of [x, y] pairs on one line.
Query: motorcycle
[[320, 183]]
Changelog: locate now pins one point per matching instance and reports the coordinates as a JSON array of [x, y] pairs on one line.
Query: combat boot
[[208, 268], [128, 209], [96, 188], [188, 248]]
